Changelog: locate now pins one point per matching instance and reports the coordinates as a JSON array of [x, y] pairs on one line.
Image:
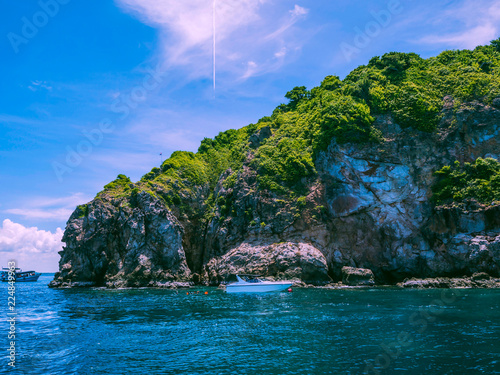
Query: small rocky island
[[390, 176]]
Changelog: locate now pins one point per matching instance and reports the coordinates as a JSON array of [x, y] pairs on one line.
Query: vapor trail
[[213, 34]]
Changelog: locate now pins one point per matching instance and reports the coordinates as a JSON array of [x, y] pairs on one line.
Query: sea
[[206, 331]]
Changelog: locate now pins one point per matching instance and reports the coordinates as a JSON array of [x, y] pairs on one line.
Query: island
[[390, 176]]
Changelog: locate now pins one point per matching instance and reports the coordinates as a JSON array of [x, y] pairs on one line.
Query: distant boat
[[253, 284], [19, 275]]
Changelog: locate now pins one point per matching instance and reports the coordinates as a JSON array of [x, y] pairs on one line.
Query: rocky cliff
[[359, 200]]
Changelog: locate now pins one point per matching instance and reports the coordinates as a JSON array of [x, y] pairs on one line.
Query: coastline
[[476, 281]]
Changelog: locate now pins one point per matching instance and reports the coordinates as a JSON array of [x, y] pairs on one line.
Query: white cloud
[[245, 30], [31, 248], [37, 85], [191, 20], [480, 23], [252, 68], [281, 53], [36, 213], [16, 238], [295, 16], [48, 208], [299, 11]]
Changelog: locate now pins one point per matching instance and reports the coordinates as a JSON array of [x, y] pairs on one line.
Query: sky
[[91, 89]]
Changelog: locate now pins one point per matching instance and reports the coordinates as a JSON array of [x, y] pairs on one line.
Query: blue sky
[[97, 88]]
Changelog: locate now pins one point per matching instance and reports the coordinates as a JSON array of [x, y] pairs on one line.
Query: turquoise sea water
[[308, 331]]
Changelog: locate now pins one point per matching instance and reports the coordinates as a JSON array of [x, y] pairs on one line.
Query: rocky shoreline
[[480, 280]]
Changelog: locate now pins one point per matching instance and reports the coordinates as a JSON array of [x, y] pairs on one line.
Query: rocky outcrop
[[466, 237], [286, 260], [381, 217], [259, 137], [357, 276], [368, 207], [478, 280], [123, 246]]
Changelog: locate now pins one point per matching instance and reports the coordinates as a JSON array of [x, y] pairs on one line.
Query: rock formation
[[357, 276], [285, 260], [369, 208], [366, 204], [121, 246]]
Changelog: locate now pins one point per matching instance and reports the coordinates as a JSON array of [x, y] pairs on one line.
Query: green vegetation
[[121, 186], [186, 166], [479, 180], [84, 210], [413, 88], [403, 84], [496, 43], [286, 161], [281, 150]]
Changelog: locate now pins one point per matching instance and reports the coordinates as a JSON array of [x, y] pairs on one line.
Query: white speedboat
[[252, 284]]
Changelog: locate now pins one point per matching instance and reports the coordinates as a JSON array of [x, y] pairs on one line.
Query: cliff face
[[378, 201], [393, 170], [370, 206], [367, 206], [123, 246]]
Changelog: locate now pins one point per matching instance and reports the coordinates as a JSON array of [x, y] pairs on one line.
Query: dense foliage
[[402, 84], [479, 180], [413, 88], [121, 184]]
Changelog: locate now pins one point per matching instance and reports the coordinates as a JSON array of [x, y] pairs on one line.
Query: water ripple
[[305, 332]]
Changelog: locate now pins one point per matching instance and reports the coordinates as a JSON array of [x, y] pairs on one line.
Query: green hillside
[[282, 148]]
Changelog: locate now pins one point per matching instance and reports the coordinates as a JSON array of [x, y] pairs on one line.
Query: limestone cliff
[[369, 207], [357, 203], [124, 246]]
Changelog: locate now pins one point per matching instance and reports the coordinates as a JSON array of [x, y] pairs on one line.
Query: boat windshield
[[250, 279]]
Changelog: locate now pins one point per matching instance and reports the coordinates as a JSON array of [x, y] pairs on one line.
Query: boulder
[[357, 276], [480, 276], [287, 260]]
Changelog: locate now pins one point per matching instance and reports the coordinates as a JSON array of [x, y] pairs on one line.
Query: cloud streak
[[479, 20], [46, 208], [37, 85], [246, 32]]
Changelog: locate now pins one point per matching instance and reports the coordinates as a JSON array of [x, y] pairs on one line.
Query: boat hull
[[257, 288], [28, 278], [23, 278]]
